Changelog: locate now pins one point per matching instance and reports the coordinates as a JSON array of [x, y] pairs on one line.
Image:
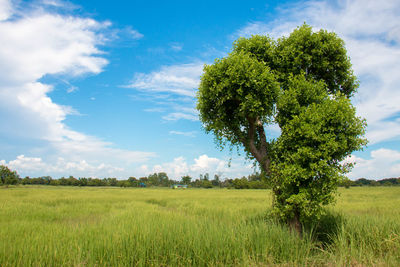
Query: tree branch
[[264, 145], [251, 134]]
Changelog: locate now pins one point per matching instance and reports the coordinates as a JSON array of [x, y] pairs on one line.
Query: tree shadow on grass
[[325, 229], [322, 231]]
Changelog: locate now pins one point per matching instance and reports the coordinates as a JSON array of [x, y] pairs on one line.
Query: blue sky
[[93, 88]]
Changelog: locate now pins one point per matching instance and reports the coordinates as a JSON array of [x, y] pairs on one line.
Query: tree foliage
[[186, 179], [7, 176], [303, 84]]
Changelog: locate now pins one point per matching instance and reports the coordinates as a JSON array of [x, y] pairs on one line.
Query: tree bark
[[260, 153], [295, 224]]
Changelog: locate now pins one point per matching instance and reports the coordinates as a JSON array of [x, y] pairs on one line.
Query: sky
[[107, 89]]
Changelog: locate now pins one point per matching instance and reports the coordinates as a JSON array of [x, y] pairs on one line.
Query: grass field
[[66, 226]]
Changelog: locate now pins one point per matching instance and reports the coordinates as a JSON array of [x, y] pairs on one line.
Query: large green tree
[[303, 84]]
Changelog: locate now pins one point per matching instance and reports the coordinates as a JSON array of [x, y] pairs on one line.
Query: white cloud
[[177, 79], [383, 163], [174, 87], [59, 4], [175, 169], [62, 167], [55, 3], [154, 110], [134, 34], [5, 9], [371, 31], [40, 43], [188, 134], [47, 44], [174, 116], [176, 47], [205, 163], [201, 165], [182, 112]]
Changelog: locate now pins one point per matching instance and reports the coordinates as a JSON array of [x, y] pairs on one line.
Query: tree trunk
[[295, 224], [257, 143]]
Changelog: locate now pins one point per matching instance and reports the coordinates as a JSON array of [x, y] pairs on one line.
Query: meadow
[[74, 226]]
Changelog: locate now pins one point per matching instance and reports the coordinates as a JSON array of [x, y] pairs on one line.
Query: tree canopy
[[8, 176], [301, 83]]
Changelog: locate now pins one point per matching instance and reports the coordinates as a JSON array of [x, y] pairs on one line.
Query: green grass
[[66, 226]]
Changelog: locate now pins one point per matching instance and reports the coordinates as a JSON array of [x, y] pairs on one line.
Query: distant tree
[[133, 182], [206, 184], [132, 179], [143, 180], [7, 176], [241, 183], [216, 181], [374, 183], [254, 177], [26, 180], [392, 181], [55, 182], [112, 181], [387, 183], [96, 182], [186, 179], [346, 182], [72, 181], [227, 183], [127, 183], [363, 181], [47, 179], [197, 183], [258, 184], [159, 179], [83, 181], [303, 83]]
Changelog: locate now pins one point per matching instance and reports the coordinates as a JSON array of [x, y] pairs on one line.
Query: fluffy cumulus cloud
[[201, 165], [383, 163], [61, 166], [371, 31], [35, 43]]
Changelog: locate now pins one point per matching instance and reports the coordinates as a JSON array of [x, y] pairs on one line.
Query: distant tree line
[[161, 179], [366, 182]]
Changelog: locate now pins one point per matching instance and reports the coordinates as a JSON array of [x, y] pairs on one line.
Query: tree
[[303, 84], [186, 179], [216, 181], [159, 179], [7, 176], [206, 183], [241, 183]]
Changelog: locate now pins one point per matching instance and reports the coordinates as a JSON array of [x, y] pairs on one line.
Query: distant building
[[176, 186]]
